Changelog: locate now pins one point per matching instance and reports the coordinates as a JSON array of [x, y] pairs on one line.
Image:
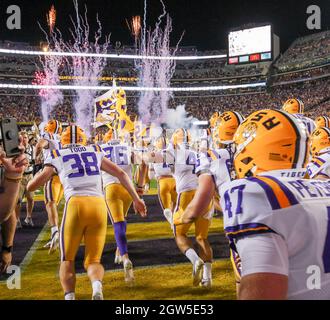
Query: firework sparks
[[51, 18], [153, 106], [134, 26]]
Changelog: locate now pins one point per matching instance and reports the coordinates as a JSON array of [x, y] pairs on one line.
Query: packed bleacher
[[303, 71]]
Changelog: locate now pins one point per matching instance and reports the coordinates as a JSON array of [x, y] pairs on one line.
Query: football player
[[213, 169], [278, 226], [118, 199], [165, 181], [319, 166], [296, 107], [85, 214], [183, 158], [53, 189]]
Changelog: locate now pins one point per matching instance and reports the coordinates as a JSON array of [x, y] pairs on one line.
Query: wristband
[[7, 249], [14, 180]]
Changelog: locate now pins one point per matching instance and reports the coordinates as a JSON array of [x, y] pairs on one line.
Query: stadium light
[[106, 88], [107, 55]]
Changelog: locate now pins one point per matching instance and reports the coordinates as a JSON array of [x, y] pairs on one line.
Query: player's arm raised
[[124, 179], [198, 206], [42, 143], [41, 178]]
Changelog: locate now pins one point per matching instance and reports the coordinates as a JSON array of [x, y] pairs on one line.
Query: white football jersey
[[79, 169], [162, 169], [53, 143], [184, 162], [216, 162], [320, 165], [298, 211], [121, 155], [308, 122]]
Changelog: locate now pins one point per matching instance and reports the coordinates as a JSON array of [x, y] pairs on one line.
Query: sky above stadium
[[205, 23]]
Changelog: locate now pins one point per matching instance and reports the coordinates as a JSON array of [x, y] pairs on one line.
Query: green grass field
[[40, 280]]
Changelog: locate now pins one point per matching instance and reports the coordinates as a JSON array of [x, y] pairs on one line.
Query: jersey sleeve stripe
[[246, 229], [269, 192], [288, 193], [282, 196], [53, 154], [57, 153]]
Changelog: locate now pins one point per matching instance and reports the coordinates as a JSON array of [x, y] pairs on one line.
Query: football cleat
[[206, 283], [97, 295], [169, 216], [128, 271], [118, 259], [28, 221], [197, 272], [53, 244], [19, 224]]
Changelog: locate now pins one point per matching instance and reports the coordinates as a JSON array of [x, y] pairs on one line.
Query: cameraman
[[11, 173], [27, 176]]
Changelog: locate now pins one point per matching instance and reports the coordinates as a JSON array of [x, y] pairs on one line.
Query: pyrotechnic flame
[[134, 26], [51, 18]]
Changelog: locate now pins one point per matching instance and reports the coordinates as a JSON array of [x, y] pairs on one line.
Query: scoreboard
[[250, 45]]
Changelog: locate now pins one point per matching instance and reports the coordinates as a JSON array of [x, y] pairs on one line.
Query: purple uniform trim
[[326, 251], [120, 235], [246, 229], [269, 193], [292, 199], [62, 232]]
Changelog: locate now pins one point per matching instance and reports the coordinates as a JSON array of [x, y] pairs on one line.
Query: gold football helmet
[[53, 127], [73, 134], [108, 135], [270, 140], [214, 118], [322, 121], [320, 139], [160, 143], [293, 106], [226, 127], [180, 136]]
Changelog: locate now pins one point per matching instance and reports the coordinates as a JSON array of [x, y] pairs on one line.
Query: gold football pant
[[84, 217], [53, 190], [202, 224], [166, 192], [118, 201]]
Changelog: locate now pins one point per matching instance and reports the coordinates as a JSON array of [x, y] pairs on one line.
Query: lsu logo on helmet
[[53, 127], [270, 140], [293, 106], [320, 140], [73, 135]]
